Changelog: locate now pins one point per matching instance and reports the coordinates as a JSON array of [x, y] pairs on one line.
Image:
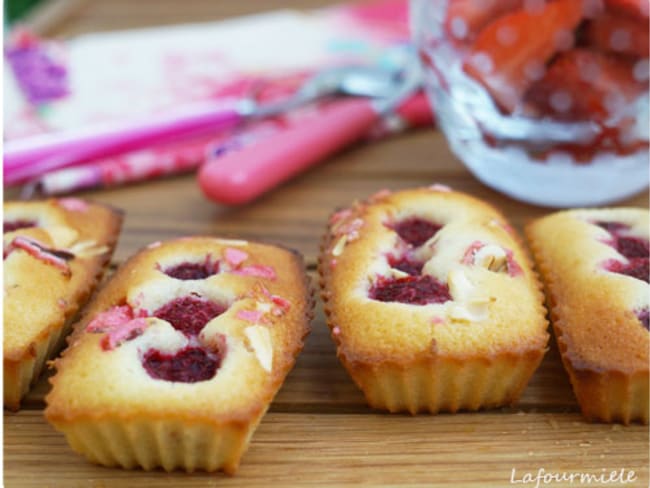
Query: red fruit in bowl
[[510, 53], [634, 8], [583, 84], [619, 34], [465, 18]]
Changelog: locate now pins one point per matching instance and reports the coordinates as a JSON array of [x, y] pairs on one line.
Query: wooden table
[[318, 430]]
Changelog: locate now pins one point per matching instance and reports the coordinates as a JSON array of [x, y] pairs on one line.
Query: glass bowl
[[545, 101]]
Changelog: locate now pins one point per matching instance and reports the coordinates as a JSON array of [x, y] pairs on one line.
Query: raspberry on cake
[[191, 339], [595, 266], [431, 301], [54, 253]]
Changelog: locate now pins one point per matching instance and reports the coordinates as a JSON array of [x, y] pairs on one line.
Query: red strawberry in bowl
[[466, 18], [584, 84], [544, 100], [510, 53], [621, 34], [635, 8]]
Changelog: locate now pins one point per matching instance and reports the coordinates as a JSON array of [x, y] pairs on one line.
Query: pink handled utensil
[[241, 176]]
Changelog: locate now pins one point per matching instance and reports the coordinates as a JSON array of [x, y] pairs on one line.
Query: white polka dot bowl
[[544, 100]]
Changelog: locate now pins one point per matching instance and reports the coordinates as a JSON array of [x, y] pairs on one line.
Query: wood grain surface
[[319, 431]]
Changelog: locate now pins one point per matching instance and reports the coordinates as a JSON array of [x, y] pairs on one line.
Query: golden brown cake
[[55, 252], [595, 266], [179, 356], [431, 301]]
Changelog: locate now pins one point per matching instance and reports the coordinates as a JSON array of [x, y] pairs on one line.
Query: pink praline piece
[[440, 187], [513, 267], [37, 250], [253, 316], [281, 302], [111, 318], [73, 204], [120, 323], [235, 257], [468, 257], [340, 215], [380, 195], [257, 270], [125, 332]]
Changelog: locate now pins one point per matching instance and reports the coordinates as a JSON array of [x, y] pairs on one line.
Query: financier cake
[[595, 266], [178, 357], [431, 301], [54, 253]]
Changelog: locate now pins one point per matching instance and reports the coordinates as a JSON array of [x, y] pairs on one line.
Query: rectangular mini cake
[[431, 301], [55, 252], [595, 266], [179, 356]]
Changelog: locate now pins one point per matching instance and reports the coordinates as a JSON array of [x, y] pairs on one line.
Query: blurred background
[[15, 9], [69, 17]]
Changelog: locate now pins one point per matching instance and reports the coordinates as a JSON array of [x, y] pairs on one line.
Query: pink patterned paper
[[131, 73]]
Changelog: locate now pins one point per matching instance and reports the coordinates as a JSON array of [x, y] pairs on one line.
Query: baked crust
[[115, 413], [42, 297], [476, 350], [603, 344]]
